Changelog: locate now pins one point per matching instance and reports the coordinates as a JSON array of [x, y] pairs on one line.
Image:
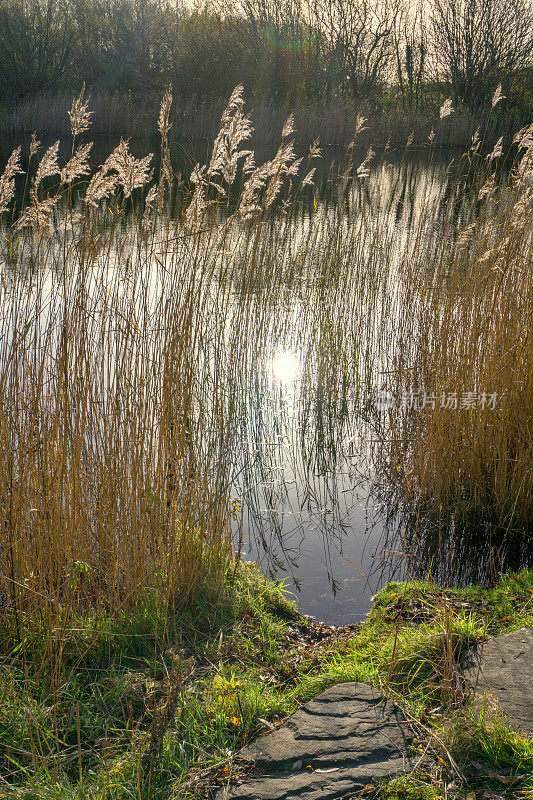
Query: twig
[[433, 735], [161, 724]]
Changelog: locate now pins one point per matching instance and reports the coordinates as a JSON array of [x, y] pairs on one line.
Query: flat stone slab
[[501, 671], [346, 738]]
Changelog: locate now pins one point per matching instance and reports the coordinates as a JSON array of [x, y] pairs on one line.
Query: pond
[[309, 338]]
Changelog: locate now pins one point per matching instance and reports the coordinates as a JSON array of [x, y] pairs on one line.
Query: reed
[[463, 456], [126, 339], [114, 415], [197, 119], [119, 361]]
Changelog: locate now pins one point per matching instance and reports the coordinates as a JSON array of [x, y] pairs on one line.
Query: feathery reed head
[[446, 109], [163, 123], [80, 117], [498, 96], [7, 180]]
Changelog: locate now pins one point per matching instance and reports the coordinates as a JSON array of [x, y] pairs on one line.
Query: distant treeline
[[380, 54]]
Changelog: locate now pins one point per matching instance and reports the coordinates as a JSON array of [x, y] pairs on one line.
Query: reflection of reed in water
[[417, 548], [131, 418]]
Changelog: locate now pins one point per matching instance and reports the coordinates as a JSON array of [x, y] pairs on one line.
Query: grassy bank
[[158, 703], [198, 120]]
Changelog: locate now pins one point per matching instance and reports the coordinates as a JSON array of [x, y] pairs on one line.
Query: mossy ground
[[158, 705]]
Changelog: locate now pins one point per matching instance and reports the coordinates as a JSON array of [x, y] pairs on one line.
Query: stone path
[[346, 738], [501, 670]]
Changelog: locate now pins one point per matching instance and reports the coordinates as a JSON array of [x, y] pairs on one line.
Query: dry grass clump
[[462, 443]]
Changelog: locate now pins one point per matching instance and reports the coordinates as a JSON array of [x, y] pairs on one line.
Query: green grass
[[82, 723], [504, 607]]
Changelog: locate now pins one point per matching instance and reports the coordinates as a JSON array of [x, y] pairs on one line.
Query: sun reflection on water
[[286, 366]]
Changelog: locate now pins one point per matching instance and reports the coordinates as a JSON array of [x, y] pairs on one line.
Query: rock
[[346, 738], [501, 670]]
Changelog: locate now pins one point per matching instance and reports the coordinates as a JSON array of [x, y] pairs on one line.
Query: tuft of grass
[[504, 607], [87, 721]]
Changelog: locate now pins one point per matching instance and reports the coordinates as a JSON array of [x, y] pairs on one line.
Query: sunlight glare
[[286, 366]]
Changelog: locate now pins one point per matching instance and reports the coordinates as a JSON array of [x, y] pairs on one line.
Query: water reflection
[[286, 366], [305, 486], [317, 333]]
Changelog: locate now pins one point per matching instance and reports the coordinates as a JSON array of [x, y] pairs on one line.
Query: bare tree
[[281, 14], [357, 41], [35, 45], [478, 43], [410, 47], [287, 47]]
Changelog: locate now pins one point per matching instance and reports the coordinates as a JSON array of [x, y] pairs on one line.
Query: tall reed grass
[[125, 342], [462, 443], [196, 119]]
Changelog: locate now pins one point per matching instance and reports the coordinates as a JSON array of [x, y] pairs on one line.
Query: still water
[[310, 504]]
